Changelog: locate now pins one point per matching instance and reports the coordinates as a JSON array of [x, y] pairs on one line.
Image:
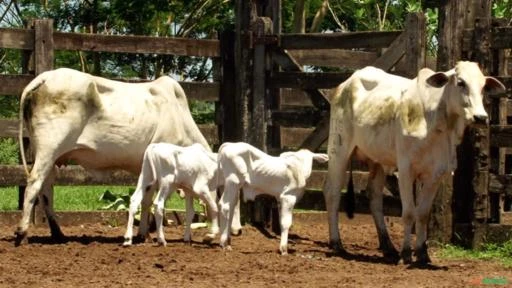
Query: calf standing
[[245, 167], [192, 168]]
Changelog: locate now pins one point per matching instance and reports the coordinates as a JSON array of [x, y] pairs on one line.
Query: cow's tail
[[350, 198], [24, 113]]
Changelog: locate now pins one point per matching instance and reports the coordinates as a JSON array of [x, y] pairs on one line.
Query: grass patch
[[81, 198], [500, 252], [9, 196]]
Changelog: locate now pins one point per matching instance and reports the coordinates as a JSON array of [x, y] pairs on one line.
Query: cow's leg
[[226, 203], [213, 216], [166, 187], [287, 202], [46, 199], [424, 204], [35, 181], [405, 182], [375, 185], [339, 156]]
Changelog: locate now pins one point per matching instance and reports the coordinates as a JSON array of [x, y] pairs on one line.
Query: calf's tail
[[350, 199]]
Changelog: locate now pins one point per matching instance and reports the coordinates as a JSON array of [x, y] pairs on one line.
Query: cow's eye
[[461, 83]]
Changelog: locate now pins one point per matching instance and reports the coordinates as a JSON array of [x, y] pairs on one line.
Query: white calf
[[192, 168], [246, 167]]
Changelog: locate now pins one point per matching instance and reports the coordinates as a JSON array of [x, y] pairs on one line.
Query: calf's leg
[[166, 187], [213, 215], [135, 200], [236, 225], [226, 203], [189, 209], [145, 209], [287, 203]]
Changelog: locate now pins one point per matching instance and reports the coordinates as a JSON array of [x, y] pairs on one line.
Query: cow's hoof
[[208, 238], [406, 256], [336, 246], [392, 255], [236, 231], [422, 257], [162, 243], [127, 242], [21, 237]]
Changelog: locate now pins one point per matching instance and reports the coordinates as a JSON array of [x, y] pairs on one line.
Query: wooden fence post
[[244, 11], [261, 27], [43, 45], [228, 123], [440, 225], [415, 31], [470, 181]]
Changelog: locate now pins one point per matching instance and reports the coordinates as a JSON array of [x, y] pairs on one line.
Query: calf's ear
[[438, 79], [320, 157], [493, 86]]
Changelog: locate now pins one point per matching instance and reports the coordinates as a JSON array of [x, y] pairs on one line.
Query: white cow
[[98, 123], [413, 125], [255, 172], [192, 168]]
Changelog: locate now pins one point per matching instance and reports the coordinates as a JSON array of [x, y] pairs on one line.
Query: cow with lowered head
[[192, 169], [99, 124], [243, 166], [412, 125]]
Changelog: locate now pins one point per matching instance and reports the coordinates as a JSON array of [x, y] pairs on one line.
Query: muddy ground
[[94, 257]]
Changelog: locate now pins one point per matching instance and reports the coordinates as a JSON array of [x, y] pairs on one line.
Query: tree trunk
[[299, 20]]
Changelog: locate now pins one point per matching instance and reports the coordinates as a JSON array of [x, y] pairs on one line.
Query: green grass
[[500, 252], [8, 198], [80, 198]]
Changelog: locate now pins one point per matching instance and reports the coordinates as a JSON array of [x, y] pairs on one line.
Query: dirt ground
[[94, 257]]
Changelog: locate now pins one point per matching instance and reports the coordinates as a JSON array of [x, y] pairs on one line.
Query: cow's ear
[[320, 157], [493, 85], [438, 80]]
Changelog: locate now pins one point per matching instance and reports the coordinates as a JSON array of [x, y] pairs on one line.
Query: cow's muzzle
[[481, 119]]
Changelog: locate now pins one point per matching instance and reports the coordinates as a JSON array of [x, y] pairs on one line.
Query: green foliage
[[502, 9], [203, 112], [490, 251], [9, 106], [8, 151], [116, 201]]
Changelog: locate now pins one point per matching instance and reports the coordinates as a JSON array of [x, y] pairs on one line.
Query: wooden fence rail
[[24, 39]]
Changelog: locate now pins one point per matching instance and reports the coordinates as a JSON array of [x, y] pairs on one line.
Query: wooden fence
[[489, 43], [289, 118], [266, 98], [286, 106], [470, 212], [41, 42]]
